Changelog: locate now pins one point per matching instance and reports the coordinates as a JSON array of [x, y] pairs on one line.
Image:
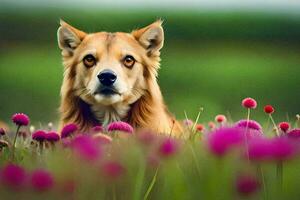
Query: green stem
[[279, 173], [275, 126], [151, 185], [262, 177], [14, 144]]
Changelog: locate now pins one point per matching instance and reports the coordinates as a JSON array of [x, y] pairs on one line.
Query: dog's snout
[[107, 77]]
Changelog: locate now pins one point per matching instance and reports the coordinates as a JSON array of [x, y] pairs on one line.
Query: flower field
[[221, 159]]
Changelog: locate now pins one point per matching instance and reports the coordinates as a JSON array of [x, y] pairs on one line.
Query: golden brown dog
[[112, 77]]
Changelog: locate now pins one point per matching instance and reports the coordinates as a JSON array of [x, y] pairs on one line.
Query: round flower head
[[246, 185], [39, 135], [211, 125], [200, 127], [259, 149], [52, 136], [284, 126], [102, 138], [2, 131], [249, 103], [112, 169], [86, 148], [13, 176], [251, 124], [97, 129], [295, 133], [224, 139], [20, 119], [120, 126], [68, 130], [282, 149], [269, 109], [220, 118], [168, 147], [42, 180]]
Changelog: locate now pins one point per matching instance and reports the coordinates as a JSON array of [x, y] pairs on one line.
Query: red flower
[[200, 127], [249, 103], [284, 126], [269, 109], [220, 118], [20, 119]]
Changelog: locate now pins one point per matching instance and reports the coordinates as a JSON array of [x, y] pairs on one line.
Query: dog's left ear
[[151, 37]]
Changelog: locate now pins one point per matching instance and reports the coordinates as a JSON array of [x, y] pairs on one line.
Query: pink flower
[[246, 185], [97, 129], [146, 137], [112, 169], [120, 126], [102, 138], [20, 119], [13, 176], [86, 148], [188, 122], [269, 109], [259, 149], [42, 180], [211, 125], [251, 124], [249, 103], [39, 135], [220, 118], [68, 130], [282, 149], [295, 133], [168, 147], [200, 127], [52, 136], [224, 139], [284, 126]]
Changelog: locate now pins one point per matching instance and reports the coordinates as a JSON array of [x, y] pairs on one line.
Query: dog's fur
[[139, 100]]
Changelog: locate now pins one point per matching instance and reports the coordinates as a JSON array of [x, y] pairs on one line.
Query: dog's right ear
[[69, 37]]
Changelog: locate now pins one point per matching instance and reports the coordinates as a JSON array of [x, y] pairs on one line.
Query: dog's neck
[[108, 114]]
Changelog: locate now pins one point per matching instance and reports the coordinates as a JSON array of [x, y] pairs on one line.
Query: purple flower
[[246, 185], [52, 136], [295, 133], [42, 180], [259, 149], [39, 135], [282, 149], [86, 148], [120, 126], [2, 131], [251, 124], [68, 130], [168, 147], [20, 119], [13, 176], [224, 139], [112, 169]]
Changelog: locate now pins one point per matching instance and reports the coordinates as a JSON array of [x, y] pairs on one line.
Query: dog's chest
[[108, 114]]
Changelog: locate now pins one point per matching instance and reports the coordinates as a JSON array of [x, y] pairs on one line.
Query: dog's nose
[[107, 77]]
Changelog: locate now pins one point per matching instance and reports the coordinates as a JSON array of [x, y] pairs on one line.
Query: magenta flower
[[39, 135], [224, 139], [246, 185], [295, 133], [168, 147], [66, 142], [42, 180], [102, 138], [68, 130], [13, 176], [120, 126], [249, 103], [52, 136], [251, 124], [97, 129], [282, 149], [20, 119], [259, 149], [112, 169], [86, 148]]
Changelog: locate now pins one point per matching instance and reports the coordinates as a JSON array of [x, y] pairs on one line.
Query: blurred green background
[[211, 58]]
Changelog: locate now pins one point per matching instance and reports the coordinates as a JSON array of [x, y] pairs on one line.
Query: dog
[[113, 77]]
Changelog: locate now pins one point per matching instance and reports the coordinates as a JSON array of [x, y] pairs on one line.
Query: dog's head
[[108, 68]]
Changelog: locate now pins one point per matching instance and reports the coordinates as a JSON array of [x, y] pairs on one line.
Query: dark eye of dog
[[129, 61], [89, 60]]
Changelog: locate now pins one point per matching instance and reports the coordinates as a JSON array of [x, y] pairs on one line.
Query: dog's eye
[[129, 61], [89, 60]]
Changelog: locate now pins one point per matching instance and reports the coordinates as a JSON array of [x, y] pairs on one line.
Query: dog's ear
[[151, 37], [69, 37]]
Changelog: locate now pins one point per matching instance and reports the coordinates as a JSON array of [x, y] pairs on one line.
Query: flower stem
[[14, 144], [151, 185], [262, 177], [245, 134], [275, 126], [279, 171]]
